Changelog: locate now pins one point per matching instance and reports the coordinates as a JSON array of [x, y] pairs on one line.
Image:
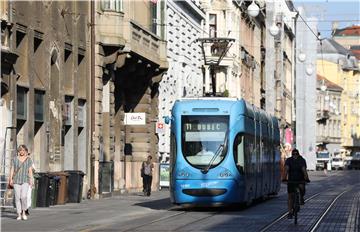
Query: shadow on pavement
[[156, 204]]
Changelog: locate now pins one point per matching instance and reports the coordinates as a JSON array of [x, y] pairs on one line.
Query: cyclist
[[295, 168]]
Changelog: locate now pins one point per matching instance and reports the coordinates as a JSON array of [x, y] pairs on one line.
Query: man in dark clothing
[[295, 167]]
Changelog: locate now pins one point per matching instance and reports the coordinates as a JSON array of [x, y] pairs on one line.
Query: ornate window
[[212, 25]]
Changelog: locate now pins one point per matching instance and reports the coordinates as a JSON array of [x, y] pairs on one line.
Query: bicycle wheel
[[296, 206]]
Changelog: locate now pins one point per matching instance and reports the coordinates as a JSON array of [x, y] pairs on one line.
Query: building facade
[[129, 61], [184, 20], [45, 99], [349, 38], [340, 66], [234, 55], [328, 126]]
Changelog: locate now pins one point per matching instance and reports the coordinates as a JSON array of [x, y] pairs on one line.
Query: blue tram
[[223, 151]]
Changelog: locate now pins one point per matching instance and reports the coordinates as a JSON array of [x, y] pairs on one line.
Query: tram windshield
[[202, 136]]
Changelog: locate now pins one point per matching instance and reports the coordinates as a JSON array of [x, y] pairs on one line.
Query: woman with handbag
[[21, 177], [147, 170]]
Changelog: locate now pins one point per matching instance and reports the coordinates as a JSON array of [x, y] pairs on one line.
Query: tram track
[[314, 225], [312, 228], [284, 215], [321, 217], [169, 217]]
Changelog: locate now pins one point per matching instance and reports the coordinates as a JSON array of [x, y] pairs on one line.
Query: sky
[[346, 13]]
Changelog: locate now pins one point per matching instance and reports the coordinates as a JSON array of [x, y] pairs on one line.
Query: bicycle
[[296, 200]]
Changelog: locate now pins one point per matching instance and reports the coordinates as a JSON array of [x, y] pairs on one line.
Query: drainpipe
[[293, 83], [92, 95]]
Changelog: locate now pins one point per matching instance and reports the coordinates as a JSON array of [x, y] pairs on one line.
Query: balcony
[[322, 116], [147, 44]]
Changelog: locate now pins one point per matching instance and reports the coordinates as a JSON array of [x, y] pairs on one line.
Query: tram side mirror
[[167, 119]]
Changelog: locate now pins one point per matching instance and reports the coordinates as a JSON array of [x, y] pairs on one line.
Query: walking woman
[[21, 177], [148, 167]]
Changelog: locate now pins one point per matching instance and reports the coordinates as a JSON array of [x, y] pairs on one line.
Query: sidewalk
[[72, 216]]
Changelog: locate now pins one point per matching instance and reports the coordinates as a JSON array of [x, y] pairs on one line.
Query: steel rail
[[284, 215], [318, 221]]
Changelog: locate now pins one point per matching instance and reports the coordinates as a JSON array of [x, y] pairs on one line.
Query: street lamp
[[274, 30], [302, 56], [309, 69], [253, 9]]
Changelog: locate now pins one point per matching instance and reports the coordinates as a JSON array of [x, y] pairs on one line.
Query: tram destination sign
[[205, 131]]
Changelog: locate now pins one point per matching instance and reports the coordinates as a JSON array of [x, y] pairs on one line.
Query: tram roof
[[209, 98]]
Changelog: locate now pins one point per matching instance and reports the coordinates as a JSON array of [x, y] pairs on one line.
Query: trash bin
[[62, 195], [35, 190], [75, 185], [43, 193], [53, 188]]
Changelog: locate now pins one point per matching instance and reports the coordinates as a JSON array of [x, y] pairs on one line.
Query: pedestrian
[[325, 168], [30, 189], [147, 170], [21, 177]]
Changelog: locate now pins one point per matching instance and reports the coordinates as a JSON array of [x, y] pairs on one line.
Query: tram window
[[239, 153], [202, 137]]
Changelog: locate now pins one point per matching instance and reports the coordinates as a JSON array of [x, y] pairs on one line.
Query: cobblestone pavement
[[134, 212]]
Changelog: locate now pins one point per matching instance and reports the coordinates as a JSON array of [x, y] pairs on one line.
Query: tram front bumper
[[207, 191]]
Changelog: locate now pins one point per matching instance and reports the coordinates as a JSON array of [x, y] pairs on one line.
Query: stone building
[[45, 104], [184, 20], [240, 63], [328, 117], [129, 61], [340, 66]]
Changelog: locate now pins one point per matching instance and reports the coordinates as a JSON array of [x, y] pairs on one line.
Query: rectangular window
[[112, 5], [81, 113], [39, 105], [212, 25], [21, 103], [67, 111], [153, 10]]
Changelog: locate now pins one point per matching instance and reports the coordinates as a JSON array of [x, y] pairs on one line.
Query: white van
[[337, 163]]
